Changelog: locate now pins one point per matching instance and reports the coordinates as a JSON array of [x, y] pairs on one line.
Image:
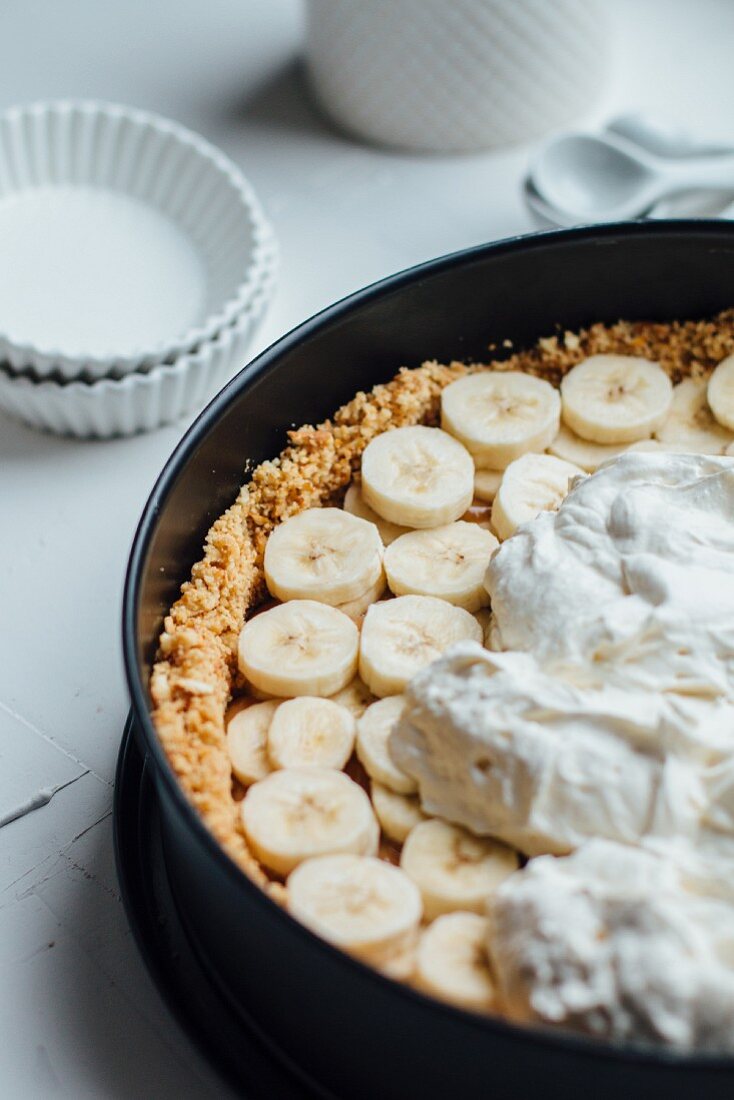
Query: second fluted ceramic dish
[[141, 400]]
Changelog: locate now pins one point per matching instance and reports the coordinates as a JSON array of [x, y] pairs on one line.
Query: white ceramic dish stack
[[137, 264]]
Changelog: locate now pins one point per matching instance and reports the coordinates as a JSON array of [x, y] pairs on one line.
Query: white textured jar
[[456, 75]]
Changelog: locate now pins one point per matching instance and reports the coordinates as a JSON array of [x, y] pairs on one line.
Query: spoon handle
[[663, 140], [712, 173]]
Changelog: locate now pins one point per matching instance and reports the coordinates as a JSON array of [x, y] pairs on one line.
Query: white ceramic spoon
[[550, 215], [607, 178]]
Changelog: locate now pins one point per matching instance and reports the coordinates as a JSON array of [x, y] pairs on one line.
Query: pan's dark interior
[[453, 308]]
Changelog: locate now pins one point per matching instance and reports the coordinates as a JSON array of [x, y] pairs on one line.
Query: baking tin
[[52, 149], [227, 1036], [361, 1034]]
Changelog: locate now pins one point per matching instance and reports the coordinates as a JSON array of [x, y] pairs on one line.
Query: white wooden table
[[78, 1015]]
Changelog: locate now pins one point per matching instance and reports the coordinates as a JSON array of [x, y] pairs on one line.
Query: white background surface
[[78, 1014]]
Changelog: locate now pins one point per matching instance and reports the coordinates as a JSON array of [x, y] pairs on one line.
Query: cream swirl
[[609, 714]]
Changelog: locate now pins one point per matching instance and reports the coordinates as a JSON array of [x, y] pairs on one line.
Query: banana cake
[[375, 585]]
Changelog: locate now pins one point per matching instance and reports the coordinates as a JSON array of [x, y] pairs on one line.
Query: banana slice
[[452, 962], [299, 648], [417, 476], [448, 562], [589, 456], [373, 731], [397, 813], [721, 392], [247, 740], [235, 705], [356, 697], [500, 415], [362, 905], [355, 503], [401, 636], [452, 868], [691, 423], [531, 485], [309, 732], [645, 445], [486, 484], [355, 609], [323, 554], [615, 398], [401, 966], [298, 813], [657, 445]]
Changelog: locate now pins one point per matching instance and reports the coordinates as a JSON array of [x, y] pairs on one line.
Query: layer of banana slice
[[323, 554], [581, 452], [531, 485], [356, 609], [452, 962], [299, 813], [452, 868], [373, 730], [417, 476], [721, 392], [615, 398], [309, 732], [690, 422], [362, 905], [299, 648], [500, 415], [356, 697], [486, 484], [355, 503], [448, 562], [397, 813], [401, 636], [247, 741]]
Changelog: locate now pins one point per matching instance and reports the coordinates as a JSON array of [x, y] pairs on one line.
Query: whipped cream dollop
[[608, 713], [633, 575], [610, 940]]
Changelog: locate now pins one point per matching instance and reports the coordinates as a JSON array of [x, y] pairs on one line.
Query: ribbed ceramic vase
[[456, 75]]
